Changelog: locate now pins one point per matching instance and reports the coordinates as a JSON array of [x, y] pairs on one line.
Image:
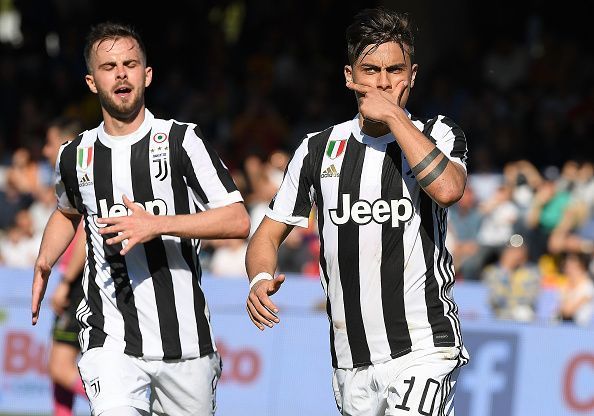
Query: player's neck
[[373, 128], [122, 127]]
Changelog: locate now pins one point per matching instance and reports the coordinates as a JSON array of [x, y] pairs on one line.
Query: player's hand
[[41, 273], [132, 229], [60, 297], [260, 308], [376, 104]]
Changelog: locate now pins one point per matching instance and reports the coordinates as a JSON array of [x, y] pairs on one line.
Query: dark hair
[[582, 258], [68, 126], [110, 31], [377, 26]]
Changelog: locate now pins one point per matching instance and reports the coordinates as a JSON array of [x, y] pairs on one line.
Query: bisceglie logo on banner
[[335, 148], [84, 157]]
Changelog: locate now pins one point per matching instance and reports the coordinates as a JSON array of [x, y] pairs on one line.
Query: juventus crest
[[160, 156]]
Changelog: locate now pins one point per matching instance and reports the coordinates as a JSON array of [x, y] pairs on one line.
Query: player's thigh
[[186, 387], [62, 359], [355, 392], [113, 379], [425, 387]]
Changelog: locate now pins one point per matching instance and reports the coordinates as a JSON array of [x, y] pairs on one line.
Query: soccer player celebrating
[[381, 183], [148, 189]]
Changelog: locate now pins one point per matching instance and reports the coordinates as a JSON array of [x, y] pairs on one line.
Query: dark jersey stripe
[[441, 328], [156, 256], [102, 173], [392, 266], [69, 177], [182, 206], [222, 172], [316, 146], [68, 173], [428, 128], [188, 171], [348, 253]]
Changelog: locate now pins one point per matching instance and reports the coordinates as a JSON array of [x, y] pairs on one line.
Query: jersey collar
[[128, 139], [370, 140]]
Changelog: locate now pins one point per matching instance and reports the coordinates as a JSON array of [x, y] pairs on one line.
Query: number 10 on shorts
[[427, 400]]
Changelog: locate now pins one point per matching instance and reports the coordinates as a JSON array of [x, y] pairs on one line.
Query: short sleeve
[[206, 174], [293, 201], [65, 202], [451, 140]]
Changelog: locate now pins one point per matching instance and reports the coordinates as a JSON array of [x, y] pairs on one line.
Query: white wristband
[[258, 277]]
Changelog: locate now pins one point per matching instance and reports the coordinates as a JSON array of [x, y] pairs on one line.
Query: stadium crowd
[[256, 81]]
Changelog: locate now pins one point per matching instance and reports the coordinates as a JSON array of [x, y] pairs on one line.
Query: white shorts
[[418, 383], [174, 387]]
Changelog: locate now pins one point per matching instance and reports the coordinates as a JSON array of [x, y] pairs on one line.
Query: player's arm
[[442, 179], [58, 233], [73, 269], [260, 263], [230, 221]]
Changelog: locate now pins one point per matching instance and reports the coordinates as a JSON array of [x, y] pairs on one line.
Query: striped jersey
[[148, 303], [384, 266]]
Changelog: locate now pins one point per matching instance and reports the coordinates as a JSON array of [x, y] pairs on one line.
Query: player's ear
[[148, 76], [348, 73], [90, 80], [413, 75]]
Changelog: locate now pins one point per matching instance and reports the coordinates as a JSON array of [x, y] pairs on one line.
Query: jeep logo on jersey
[[155, 207], [362, 212]]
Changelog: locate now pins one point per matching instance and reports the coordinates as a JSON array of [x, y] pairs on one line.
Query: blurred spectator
[[499, 216], [513, 282], [19, 247], [24, 173], [545, 213], [264, 178], [21, 183], [463, 227], [228, 259], [294, 254], [258, 128], [523, 177], [576, 304]]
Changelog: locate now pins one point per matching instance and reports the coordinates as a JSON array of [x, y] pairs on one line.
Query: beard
[[122, 109]]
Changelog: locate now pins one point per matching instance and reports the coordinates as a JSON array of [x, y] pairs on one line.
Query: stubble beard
[[119, 109]]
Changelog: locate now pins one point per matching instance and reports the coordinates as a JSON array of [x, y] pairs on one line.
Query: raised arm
[[442, 179], [58, 234], [260, 262]]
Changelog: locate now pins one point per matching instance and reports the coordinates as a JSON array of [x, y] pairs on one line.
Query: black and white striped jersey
[[384, 266], [148, 303]]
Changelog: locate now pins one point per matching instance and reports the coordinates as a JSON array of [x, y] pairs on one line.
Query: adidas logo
[[85, 181], [330, 172]]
